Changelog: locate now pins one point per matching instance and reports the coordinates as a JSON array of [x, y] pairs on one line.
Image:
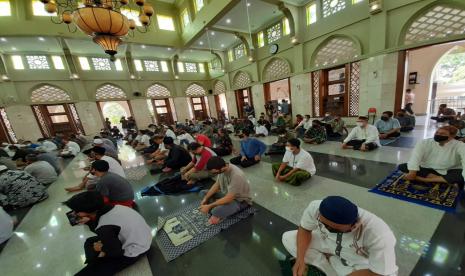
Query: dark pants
[[103, 266], [246, 163], [453, 176], [393, 135], [222, 151], [406, 129], [440, 119], [276, 149], [357, 144], [329, 129]]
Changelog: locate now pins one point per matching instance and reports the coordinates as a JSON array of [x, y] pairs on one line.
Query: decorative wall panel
[[219, 87], [277, 68], [195, 90], [354, 92], [316, 93], [48, 93], [158, 91], [335, 51], [110, 92], [241, 80]]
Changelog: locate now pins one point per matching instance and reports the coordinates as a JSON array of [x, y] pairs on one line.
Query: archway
[[112, 104]]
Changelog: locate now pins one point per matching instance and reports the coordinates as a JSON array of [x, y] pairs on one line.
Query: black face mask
[[385, 118], [440, 138]]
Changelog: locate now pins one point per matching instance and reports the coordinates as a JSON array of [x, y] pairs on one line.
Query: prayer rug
[[435, 195], [385, 142], [136, 173], [187, 228]]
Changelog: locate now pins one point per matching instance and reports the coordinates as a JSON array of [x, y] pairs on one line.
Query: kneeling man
[[341, 239], [438, 159], [231, 190], [297, 165]]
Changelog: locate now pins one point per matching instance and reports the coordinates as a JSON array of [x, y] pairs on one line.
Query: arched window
[[158, 91], [49, 93], [336, 51], [241, 80], [195, 90], [219, 87], [109, 92], [277, 68]]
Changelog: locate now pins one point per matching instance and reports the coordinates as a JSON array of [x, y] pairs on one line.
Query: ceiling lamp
[[103, 20]]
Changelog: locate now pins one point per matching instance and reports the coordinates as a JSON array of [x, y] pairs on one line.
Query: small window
[[132, 14], [180, 67], [165, 23], [201, 68], [331, 7], [138, 65], [239, 51], [118, 65], [198, 5], [38, 9], [17, 62], [5, 9], [260, 39], [37, 62], [311, 14], [230, 55], [84, 63], [191, 67], [58, 62], [274, 33], [185, 17], [164, 66], [151, 66], [356, 1], [101, 64], [286, 27]]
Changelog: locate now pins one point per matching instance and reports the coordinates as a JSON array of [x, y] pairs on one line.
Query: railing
[[456, 103]]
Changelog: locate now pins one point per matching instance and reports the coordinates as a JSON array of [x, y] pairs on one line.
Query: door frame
[[168, 106], [100, 111], [204, 107], [240, 100], [47, 117]]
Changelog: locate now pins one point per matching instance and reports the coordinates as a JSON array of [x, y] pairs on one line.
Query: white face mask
[[288, 149], [360, 124]]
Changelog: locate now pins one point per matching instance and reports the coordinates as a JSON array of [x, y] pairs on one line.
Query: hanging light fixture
[[102, 20]]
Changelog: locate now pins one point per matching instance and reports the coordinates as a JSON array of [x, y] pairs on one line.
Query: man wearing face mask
[[363, 137], [303, 126], [439, 159], [297, 165], [316, 134], [340, 238], [251, 151], [387, 126], [229, 194]]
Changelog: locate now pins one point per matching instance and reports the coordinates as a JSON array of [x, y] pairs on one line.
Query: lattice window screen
[[37, 62], [7, 124], [241, 80], [76, 119], [239, 51], [108, 92], [48, 93], [274, 33], [151, 66], [354, 96], [440, 21], [316, 93], [333, 6], [277, 69], [101, 64], [195, 90], [219, 87], [40, 118], [336, 50], [158, 91]]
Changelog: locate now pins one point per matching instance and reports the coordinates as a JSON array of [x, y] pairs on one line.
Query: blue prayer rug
[[435, 195], [191, 229]]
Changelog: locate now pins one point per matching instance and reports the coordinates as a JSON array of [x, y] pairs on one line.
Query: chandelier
[[102, 20]]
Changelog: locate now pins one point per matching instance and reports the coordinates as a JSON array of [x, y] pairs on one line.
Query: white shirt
[[303, 160], [373, 238], [370, 134], [145, 139], [261, 130], [115, 167], [186, 136], [229, 127], [6, 226], [306, 124], [72, 147], [170, 133], [429, 154], [48, 146]]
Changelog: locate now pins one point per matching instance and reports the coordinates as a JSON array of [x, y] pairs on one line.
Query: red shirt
[[203, 140], [205, 155]]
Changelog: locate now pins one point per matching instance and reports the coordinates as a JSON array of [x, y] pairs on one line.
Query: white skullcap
[[98, 141]]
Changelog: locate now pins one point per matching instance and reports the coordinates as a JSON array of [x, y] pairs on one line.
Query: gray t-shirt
[[6, 226], [115, 187], [234, 181], [42, 171]]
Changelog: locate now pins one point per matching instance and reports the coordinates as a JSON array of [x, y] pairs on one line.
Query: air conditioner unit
[[376, 6]]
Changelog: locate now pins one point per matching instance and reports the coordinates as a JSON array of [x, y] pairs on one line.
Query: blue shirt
[[251, 147], [386, 126]]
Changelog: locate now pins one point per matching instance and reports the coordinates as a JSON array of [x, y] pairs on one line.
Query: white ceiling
[[196, 55], [219, 41], [30, 44], [297, 2]]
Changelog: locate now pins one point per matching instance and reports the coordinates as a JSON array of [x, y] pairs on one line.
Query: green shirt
[[319, 134]]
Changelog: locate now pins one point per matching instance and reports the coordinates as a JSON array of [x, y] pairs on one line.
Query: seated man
[[89, 180], [203, 140], [387, 126], [52, 159], [115, 189], [407, 122], [337, 127], [114, 166], [46, 145], [439, 159], [109, 150], [185, 138], [144, 141], [340, 238], [297, 165], [224, 145], [230, 193], [280, 146], [316, 134], [303, 126], [6, 226], [19, 189], [123, 236], [70, 149], [177, 158], [251, 151], [19, 155], [41, 170], [197, 169], [260, 129], [160, 150], [363, 137], [444, 114]]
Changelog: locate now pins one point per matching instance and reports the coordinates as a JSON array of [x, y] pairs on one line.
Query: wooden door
[[56, 118], [199, 108], [163, 111], [243, 96], [335, 87]]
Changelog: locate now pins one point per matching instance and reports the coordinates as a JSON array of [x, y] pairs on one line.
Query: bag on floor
[[169, 186]]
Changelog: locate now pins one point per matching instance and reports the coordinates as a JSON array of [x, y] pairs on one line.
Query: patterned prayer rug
[[435, 195], [136, 173], [186, 228]]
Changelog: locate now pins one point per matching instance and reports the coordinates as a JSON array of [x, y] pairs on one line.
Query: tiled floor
[[429, 241]]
